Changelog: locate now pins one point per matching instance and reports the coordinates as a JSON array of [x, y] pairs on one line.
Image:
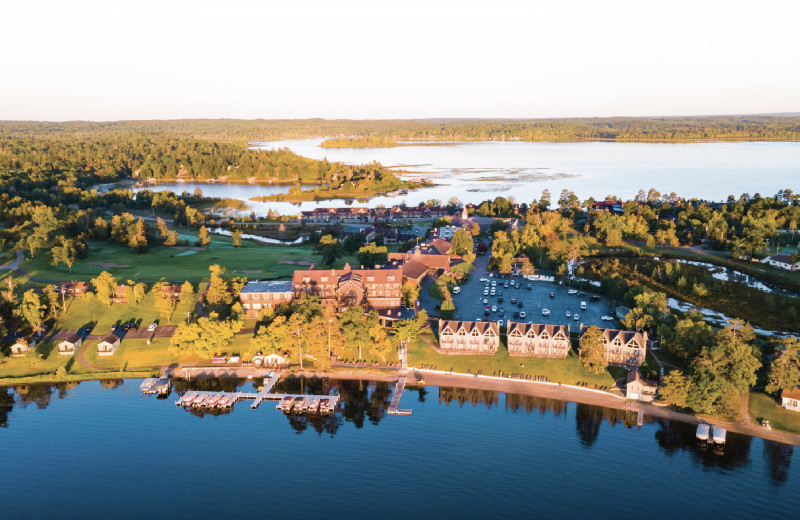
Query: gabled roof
[[111, 338], [482, 327], [634, 375], [625, 336], [72, 338], [537, 328], [414, 269], [794, 393], [784, 259]]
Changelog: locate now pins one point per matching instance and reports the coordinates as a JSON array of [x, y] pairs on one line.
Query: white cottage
[[69, 345], [108, 345]]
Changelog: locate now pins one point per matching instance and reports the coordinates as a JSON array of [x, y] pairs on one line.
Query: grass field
[[763, 406], [567, 371]]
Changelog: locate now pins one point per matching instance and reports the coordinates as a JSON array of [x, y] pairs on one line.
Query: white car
[[456, 290], [607, 318], [545, 312], [484, 280], [486, 292], [152, 327], [494, 283], [572, 291], [494, 308], [576, 317], [485, 301], [569, 314], [522, 315], [500, 322]]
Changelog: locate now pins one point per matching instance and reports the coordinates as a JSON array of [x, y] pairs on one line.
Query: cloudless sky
[[143, 59]]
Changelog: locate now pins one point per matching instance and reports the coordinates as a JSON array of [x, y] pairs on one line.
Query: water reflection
[[474, 396], [778, 457], [529, 403], [675, 435], [588, 419]]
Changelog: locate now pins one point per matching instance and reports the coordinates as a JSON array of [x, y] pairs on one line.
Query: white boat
[[286, 403], [313, 404], [214, 400], [300, 404], [703, 432], [720, 435], [186, 399]]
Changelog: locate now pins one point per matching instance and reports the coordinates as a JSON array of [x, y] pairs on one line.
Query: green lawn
[[255, 261], [568, 371], [136, 354], [83, 310], [763, 406]]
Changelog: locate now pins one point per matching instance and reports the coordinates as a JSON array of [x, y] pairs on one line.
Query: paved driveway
[[469, 302]]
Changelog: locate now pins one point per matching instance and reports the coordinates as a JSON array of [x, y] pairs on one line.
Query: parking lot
[[470, 304]]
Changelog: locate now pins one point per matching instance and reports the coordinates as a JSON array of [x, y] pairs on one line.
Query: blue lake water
[[476, 171], [97, 449]]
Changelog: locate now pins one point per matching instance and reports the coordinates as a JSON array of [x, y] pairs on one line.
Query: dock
[[204, 399], [399, 387], [156, 385]]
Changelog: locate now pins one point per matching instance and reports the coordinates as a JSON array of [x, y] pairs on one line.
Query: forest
[[750, 127]]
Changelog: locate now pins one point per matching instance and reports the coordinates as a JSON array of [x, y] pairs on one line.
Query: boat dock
[[206, 399], [398, 393], [156, 385]]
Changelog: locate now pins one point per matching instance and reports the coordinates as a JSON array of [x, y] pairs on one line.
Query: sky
[[143, 59]]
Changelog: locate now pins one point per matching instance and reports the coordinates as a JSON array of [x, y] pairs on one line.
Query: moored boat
[[703, 432], [214, 400], [720, 435], [286, 403], [300, 404], [186, 399], [313, 404], [325, 405]]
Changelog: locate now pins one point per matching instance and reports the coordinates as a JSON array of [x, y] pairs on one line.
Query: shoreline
[[549, 390]]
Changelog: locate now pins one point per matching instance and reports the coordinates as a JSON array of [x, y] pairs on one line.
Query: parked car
[[519, 304], [486, 312], [505, 285], [517, 285], [456, 290], [494, 308], [486, 292], [545, 312], [516, 315], [581, 294], [569, 314], [607, 318], [552, 295], [485, 301], [522, 315], [513, 301], [594, 298], [576, 317], [500, 300], [529, 287], [583, 306], [502, 312], [500, 322], [152, 327], [572, 291], [494, 283]]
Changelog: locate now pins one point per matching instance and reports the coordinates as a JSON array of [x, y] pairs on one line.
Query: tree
[[447, 310], [784, 372], [408, 329], [371, 255], [237, 237], [650, 308], [475, 229], [410, 292], [51, 300], [187, 290], [32, 308], [591, 350], [138, 291], [64, 252], [329, 247], [675, 389], [689, 337], [202, 238], [104, 287], [382, 345], [137, 237], [165, 306], [271, 339], [218, 288], [206, 337], [355, 329], [461, 243], [736, 358]]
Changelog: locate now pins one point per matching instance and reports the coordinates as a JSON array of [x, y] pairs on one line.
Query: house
[[639, 389], [623, 347], [73, 288], [436, 246], [343, 288], [416, 265], [612, 206], [69, 345], [790, 263], [22, 346], [538, 340], [275, 360], [173, 292], [790, 399], [468, 337], [260, 295], [120, 294], [444, 232], [108, 345]]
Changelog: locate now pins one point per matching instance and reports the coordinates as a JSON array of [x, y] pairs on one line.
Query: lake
[[102, 449], [476, 171]]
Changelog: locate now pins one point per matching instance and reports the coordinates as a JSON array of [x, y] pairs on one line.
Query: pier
[[399, 387]]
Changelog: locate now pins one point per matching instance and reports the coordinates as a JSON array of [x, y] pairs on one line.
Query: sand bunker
[[187, 253]]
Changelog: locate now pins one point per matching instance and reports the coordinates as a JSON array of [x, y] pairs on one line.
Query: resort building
[[22, 346], [436, 246], [790, 399], [783, 262], [468, 337], [108, 345], [538, 340], [416, 265], [343, 288], [68, 346], [73, 288], [256, 296], [639, 389], [623, 347]]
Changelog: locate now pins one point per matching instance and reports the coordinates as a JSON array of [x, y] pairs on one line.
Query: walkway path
[[14, 264], [199, 305]]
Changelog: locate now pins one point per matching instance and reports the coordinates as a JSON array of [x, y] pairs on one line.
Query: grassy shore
[[568, 371], [763, 406]]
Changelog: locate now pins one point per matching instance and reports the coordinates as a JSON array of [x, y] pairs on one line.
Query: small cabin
[[69, 345], [275, 360], [639, 389], [22, 346], [790, 399], [108, 345]]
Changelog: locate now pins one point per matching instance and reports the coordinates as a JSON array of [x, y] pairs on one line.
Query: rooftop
[[268, 287]]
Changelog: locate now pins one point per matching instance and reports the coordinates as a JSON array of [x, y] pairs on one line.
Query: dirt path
[[82, 360], [14, 264], [199, 305]]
